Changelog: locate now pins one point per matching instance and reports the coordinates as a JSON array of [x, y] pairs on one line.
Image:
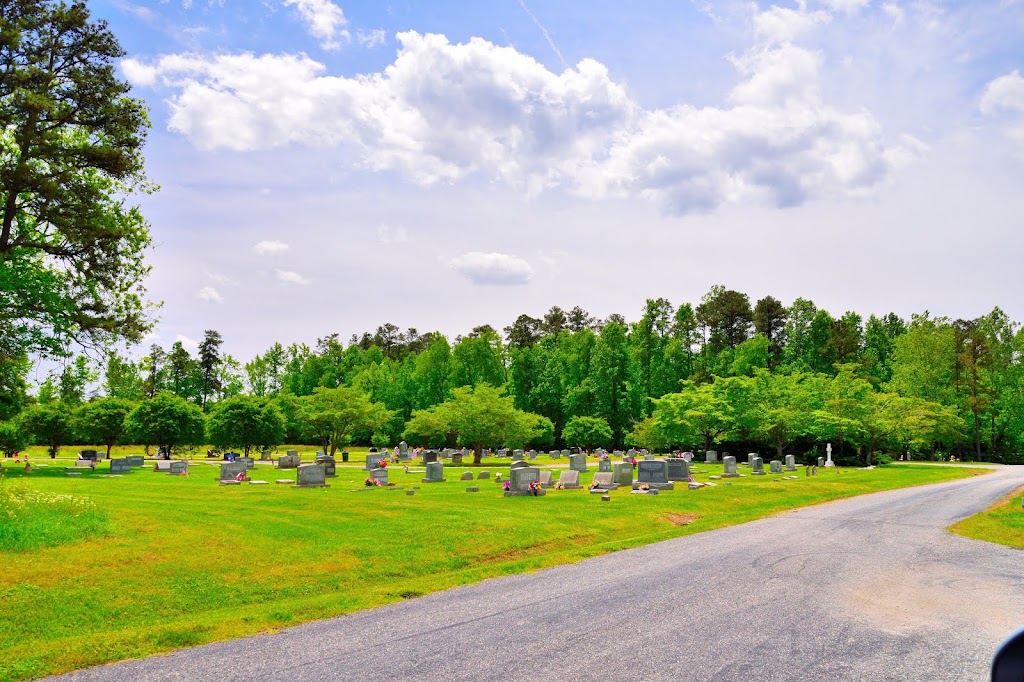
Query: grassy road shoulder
[[1002, 523]]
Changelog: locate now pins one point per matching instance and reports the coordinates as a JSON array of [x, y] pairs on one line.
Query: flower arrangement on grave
[[506, 486], [382, 464], [593, 486], [535, 487], [633, 462], [370, 482], [643, 486], [558, 486], [604, 455]]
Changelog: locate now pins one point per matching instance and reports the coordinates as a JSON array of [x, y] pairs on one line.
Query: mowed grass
[[187, 561], [1002, 523]]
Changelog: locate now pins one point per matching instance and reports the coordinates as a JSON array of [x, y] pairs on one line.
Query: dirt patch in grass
[[681, 519]]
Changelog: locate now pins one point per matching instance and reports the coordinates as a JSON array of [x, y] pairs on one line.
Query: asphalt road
[[871, 588]]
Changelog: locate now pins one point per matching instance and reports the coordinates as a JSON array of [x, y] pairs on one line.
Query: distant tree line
[[724, 373]]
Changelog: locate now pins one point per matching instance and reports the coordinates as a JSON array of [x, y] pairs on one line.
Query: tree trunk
[[109, 446], [478, 453]]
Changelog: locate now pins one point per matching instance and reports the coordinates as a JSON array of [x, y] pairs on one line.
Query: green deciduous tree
[[475, 417], [49, 425], [333, 415], [71, 263], [168, 422], [102, 421], [13, 438], [245, 422], [587, 432]]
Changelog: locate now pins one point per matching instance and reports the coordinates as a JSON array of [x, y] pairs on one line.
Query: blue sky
[[331, 166]]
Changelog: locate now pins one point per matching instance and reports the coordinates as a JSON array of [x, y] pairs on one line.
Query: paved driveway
[[870, 588]]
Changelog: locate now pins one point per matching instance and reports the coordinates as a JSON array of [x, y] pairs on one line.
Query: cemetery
[[224, 516]]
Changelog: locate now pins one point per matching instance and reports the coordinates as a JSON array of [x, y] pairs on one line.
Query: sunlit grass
[[187, 561], [30, 519], [1002, 523]]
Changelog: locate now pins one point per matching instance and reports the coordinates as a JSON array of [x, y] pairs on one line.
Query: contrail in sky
[[547, 36]]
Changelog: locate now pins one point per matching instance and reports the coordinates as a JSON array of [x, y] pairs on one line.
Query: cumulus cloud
[[210, 294], [1005, 95], [373, 38], [187, 342], [441, 112], [270, 247], [846, 6], [782, 24], [325, 21], [289, 277], [492, 268]]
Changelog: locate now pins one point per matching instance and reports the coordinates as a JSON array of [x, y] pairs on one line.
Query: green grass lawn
[[184, 561], [1003, 522]]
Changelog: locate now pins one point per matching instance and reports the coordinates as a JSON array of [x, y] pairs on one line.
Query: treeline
[[724, 372]]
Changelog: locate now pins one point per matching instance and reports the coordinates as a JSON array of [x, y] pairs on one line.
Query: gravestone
[[750, 458], [532, 454], [790, 463], [467, 476], [578, 462], [310, 476], [161, 465], [730, 467], [821, 461], [229, 471], [435, 473], [518, 464], [289, 461], [644, 452], [569, 480], [329, 465], [178, 468], [555, 454], [403, 451], [711, 457], [807, 471], [120, 466], [517, 455], [457, 459], [758, 467], [90, 455], [631, 454], [265, 456], [776, 466], [380, 474], [292, 453], [519, 481], [545, 479], [604, 465], [623, 473], [249, 462], [429, 456], [688, 457], [814, 471], [603, 481], [648, 457], [654, 473], [135, 460], [373, 461], [483, 474], [678, 469]]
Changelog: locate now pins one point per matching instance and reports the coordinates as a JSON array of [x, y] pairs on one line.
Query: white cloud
[[191, 344], [270, 247], [373, 38], [289, 277], [492, 268], [895, 12], [782, 24], [210, 294], [325, 21], [1006, 95], [392, 235], [846, 6], [443, 111]]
